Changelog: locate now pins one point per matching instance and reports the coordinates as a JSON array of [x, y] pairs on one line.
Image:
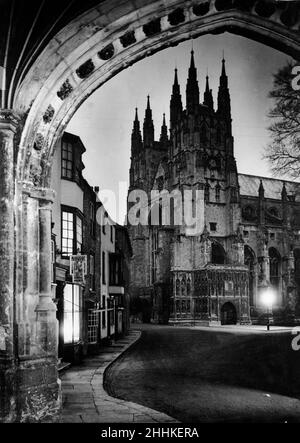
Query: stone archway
[[81, 55], [228, 314]]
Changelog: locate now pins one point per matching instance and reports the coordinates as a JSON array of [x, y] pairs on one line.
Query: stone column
[[38, 384], [46, 308], [8, 125]]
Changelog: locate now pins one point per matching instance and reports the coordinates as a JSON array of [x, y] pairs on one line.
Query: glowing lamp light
[[268, 297]]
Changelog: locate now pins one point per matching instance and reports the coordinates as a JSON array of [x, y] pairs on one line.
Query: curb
[[118, 357], [156, 416]]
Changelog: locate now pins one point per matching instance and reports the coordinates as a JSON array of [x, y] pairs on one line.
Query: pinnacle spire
[[224, 78], [192, 65], [136, 137], [175, 103], [176, 78], [164, 132], [208, 97], [284, 192], [192, 88], [224, 105], [261, 189], [148, 128]]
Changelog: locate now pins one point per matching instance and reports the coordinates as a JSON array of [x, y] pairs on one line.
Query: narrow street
[[211, 375]]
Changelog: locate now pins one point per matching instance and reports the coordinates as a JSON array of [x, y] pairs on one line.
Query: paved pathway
[[86, 401]]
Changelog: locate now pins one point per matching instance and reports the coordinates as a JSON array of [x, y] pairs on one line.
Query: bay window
[[71, 232]]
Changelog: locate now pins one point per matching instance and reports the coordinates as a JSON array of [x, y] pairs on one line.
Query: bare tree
[[283, 152]]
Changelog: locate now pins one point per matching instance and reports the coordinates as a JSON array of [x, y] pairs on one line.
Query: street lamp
[[267, 299]]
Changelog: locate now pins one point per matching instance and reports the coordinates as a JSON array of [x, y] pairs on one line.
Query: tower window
[[206, 193], [213, 226], [217, 254]]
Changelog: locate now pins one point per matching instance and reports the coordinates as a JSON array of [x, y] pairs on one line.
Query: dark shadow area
[[211, 376]]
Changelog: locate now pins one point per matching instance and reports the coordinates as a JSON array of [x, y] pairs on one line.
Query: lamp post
[[268, 298]]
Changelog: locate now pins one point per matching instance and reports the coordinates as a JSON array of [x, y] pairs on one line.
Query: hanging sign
[[78, 268]]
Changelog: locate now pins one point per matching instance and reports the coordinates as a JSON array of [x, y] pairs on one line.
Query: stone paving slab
[[85, 399]]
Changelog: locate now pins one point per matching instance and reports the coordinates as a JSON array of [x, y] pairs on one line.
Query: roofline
[[76, 139], [268, 178]]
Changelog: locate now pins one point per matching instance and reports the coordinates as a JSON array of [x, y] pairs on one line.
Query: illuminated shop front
[[72, 321]]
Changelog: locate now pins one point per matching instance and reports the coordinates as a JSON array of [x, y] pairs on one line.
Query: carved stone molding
[[65, 90], [48, 115], [9, 117], [39, 193]]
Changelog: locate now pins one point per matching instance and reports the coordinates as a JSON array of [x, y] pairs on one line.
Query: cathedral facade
[[249, 239]]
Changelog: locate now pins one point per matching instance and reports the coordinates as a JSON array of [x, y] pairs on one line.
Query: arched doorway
[[50, 72], [228, 314]]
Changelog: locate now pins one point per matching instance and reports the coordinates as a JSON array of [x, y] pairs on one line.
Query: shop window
[[72, 311], [112, 317], [92, 272], [92, 326], [103, 320]]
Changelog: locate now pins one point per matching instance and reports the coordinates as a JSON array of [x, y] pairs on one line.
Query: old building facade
[[90, 311], [247, 238]]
